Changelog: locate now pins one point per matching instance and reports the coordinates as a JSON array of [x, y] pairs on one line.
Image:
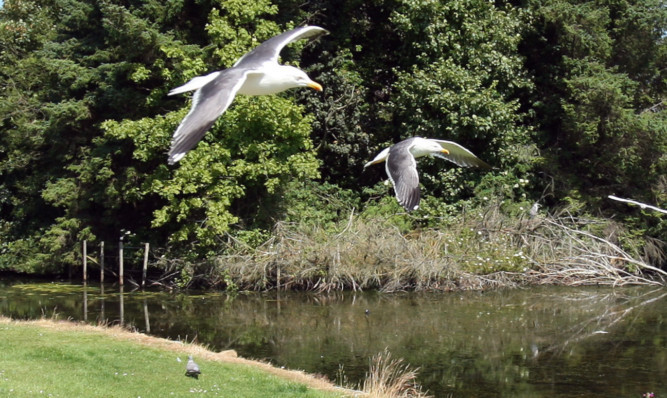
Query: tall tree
[[403, 68], [598, 65], [237, 173], [460, 79], [83, 153]]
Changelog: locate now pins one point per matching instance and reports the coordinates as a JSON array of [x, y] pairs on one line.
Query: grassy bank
[[484, 248], [62, 359]]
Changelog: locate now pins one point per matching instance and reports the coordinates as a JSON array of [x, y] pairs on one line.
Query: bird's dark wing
[[269, 50], [401, 168], [208, 103], [460, 155]]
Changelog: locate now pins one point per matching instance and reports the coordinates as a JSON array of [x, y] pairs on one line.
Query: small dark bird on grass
[[192, 369]]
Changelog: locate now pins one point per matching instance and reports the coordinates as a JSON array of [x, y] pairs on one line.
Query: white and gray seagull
[[401, 164], [256, 73]]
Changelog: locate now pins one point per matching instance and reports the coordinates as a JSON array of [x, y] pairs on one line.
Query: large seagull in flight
[[256, 73]]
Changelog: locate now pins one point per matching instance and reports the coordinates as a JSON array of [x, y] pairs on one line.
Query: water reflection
[[538, 342]]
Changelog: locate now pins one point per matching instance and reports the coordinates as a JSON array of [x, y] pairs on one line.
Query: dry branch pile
[[484, 250]]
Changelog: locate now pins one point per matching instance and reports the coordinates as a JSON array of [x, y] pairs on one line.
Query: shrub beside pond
[[480, 249]]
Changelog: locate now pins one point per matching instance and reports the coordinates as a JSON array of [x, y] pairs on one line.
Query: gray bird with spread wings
[[401, 164], [256, 73]]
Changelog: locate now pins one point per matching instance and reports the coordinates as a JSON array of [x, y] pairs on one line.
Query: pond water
[[537, 342]]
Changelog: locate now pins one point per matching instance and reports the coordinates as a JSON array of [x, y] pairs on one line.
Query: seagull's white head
[[275, 78], [423, 147], [295, 77], [301, 79]]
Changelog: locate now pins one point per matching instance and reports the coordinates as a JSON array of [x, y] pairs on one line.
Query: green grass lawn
[[70, 361]]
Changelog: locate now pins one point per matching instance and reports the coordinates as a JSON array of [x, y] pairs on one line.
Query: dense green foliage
[[564, 97]]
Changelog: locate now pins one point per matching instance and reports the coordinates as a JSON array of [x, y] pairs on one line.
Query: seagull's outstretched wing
[[460, 155], [401, 168], [269, 50], [208, 103]]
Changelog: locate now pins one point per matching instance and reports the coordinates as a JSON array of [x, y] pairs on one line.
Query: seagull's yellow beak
[[446, 152], [315, 86]]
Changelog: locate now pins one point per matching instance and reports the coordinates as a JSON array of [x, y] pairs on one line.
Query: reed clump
[[477, 250], [391, 378]]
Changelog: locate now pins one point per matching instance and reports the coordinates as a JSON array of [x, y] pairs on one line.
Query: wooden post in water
[[85, 260], [102, 302], [85, 301], [102, 262], [120, 261], [122, 305], [145, 268], [148, 322]]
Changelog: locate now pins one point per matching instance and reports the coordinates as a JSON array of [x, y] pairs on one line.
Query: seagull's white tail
[[194, 84], [381, 157]]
